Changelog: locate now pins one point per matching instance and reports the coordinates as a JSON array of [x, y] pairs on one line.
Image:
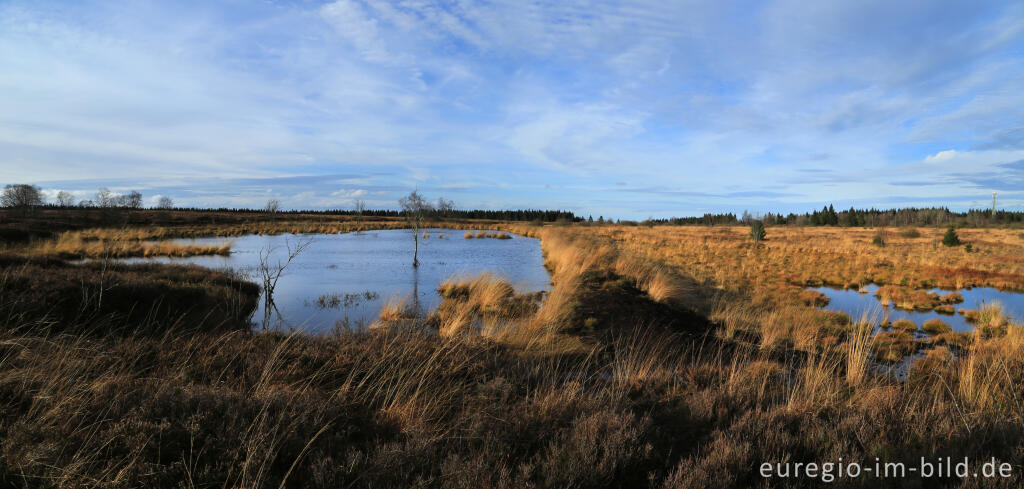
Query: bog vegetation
[[662, 357]]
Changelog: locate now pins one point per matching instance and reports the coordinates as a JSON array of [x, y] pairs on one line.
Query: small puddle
[[856, 303], [343, 280]]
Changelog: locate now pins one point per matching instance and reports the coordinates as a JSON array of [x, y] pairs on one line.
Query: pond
[[343, 280], [855, 303]]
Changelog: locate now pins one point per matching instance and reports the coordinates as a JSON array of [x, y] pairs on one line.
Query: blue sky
[[632, 110]]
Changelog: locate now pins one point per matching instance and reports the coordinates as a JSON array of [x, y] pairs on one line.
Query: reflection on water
[[344, 279], [855, 304]]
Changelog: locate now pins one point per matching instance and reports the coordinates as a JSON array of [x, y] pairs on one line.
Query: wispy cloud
[[780, 105]]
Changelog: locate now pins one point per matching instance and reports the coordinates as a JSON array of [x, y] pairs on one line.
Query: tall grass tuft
[[858, 350]]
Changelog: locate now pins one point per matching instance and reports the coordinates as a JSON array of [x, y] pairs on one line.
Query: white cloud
[[680, 94], [351, 21], [942, 155], [349, 193]]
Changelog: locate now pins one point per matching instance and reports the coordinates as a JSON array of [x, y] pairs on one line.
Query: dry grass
[[936, 327], [747, 288], [486, 234], [858, 352], [827, 256], [396, 312], [483, 304], [494, 390], [73, 245]]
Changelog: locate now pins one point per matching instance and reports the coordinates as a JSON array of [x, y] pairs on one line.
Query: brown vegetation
[[75, 244], [936, 327], [661, 357]]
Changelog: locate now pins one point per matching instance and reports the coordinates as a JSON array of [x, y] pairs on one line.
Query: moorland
[[663, 356]]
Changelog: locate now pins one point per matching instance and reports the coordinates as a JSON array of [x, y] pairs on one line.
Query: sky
[[620, 109]]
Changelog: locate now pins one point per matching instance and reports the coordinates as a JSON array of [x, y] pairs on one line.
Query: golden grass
[[473, 301], [713, 262], [75, 245], [858, 352], [761, 292], [486, 234], [396, 311], [642, 358], [503, 396], [936, 327], [824, 255]]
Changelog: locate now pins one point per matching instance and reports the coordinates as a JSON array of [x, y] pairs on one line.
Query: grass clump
[[972, 316], [958, 340], [904, 325], [398, 312], [486, 234], [813, 298], [938, 362], [992, 314], [482, 305], [915, 299], [936, 327], [332, 301], [909, 232], [893, 346]]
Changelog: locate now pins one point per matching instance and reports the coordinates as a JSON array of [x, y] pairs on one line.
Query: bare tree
[[273, 206], [360, 208], [747, 219], [21, 196], [133, 200], [415, 208], [445, 207], [85, 203], [164, 202], [105, 198], [270, 272], [65, 199]]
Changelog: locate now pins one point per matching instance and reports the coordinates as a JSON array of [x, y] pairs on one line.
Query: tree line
[[829, 216], [27, 197]]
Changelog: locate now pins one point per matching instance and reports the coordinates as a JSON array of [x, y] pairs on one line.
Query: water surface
[[359, 272], [855, 304]]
